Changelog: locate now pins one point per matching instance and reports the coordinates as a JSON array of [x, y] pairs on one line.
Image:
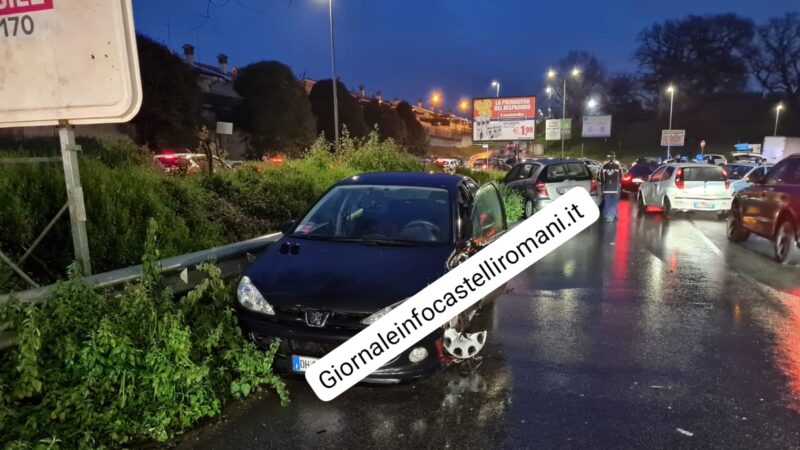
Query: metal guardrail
[[179, 273]]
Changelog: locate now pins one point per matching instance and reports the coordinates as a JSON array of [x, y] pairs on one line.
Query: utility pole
[[335, 80]]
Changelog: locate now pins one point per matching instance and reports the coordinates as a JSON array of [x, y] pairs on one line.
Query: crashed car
[[371, 242]]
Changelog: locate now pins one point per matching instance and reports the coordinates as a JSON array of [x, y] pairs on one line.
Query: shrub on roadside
[[514, 204], [97, 370]]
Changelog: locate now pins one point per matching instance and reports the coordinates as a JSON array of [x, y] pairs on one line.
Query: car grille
[[336, 320]]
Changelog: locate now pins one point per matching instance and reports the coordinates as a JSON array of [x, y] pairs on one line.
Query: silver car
[[543, 180], [740, 174], [686, 187]]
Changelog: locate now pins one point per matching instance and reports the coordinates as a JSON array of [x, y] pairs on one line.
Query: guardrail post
[[77, 208]]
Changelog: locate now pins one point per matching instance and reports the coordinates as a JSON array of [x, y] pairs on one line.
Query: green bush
[[514, 204], [104, 370]]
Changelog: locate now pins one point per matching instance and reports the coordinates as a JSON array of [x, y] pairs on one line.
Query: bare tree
[[776, 64]]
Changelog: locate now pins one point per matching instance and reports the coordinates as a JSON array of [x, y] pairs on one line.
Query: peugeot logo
[[317, 319]]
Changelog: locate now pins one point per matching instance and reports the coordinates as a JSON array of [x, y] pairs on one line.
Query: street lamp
[[496, 84], [671, 91], [591, 103], [778, 110], [463, 105], [335, 81], [436, 100], [551, 74]]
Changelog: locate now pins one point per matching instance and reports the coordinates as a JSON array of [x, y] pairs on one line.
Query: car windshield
[[377, 213], [737, 171], [711, 173], [642, 169]]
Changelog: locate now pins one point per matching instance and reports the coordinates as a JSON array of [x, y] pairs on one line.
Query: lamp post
[[551, 74], [778, 110], [335, 81], [496, 84], [671, 90]]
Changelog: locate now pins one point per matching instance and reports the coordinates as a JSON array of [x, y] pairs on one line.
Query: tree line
[[273, 109]]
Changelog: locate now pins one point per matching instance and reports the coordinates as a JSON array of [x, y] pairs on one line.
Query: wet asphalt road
[[647, 333]]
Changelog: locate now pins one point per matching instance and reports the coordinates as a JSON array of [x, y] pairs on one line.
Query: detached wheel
[[736, 231], [528, 208], [668, 212], [785, 244]]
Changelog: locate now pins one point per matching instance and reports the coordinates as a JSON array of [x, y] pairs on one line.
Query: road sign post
[[77, 208]]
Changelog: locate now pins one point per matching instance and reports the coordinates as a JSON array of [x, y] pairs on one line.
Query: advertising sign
[[553, 132], [672, 138], [70, 61], [503, 119], [596, 126]]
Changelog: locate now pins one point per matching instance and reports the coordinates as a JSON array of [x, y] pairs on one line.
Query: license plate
[[637, 180], [704, 205], [302, 363]]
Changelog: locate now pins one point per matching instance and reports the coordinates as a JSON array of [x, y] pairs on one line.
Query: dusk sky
[[409, 48]]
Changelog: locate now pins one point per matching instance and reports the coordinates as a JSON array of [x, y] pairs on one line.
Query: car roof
[[689, 164], [420, 179]]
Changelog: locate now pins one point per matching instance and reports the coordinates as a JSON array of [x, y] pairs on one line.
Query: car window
[[787, 173], [487, 218], [668, 173], [656, 176], [398, 213], [737, 171], [513, 174], [713, 173], [566, 171], [641, 170]]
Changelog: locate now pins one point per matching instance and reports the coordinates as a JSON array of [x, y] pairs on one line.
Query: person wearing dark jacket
[[611, 185]]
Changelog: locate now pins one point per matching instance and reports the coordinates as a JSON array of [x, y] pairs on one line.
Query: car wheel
[[668, 212], [736, 230], [785, 243], [528, 208], [641, 208], [458, 340]]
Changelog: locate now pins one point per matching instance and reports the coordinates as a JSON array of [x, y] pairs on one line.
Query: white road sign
[[596, 126], [67, 60], [672, 138], [554, 128]]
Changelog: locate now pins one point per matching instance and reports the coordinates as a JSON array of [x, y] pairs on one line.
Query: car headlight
[[251, 298], [374, 317]]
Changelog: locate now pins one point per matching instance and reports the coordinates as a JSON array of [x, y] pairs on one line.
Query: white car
[[686, 187], [740, 174]]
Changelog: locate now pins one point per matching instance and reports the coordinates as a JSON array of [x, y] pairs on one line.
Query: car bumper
[[540, 204], [317, 342], [701, 204]]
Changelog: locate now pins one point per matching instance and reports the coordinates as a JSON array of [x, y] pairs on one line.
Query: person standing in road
[[611, 185]]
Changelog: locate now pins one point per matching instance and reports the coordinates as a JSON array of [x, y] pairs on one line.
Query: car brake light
[[593, 189], [679, 178], [541, 188], [627, 177]]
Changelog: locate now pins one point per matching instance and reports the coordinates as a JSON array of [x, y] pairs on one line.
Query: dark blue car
[[369, 243]]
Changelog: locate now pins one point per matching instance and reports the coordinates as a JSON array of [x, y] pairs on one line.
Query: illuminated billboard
[[503, 119]]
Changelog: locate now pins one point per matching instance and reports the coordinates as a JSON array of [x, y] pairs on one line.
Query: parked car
[[170, 162], [498, 164], [741, 174], [745, 157], [646, 160], [770, 208], [544, 180], [480, 165], [717, 160], [686, 187], [368, 244], [636, 176]]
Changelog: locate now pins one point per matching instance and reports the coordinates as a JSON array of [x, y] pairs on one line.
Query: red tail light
[[679, 178], [541, 188], [627, 177], [594, 186]]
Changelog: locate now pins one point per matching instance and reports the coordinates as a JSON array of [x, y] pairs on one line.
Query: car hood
[[343, 276]]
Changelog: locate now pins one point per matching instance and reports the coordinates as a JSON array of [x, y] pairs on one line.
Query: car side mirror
[[288, 226]]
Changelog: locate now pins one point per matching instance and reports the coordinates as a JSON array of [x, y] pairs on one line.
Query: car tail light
[[679, 178], [541, 188], [627, 177], [593, 189], [485, 166]]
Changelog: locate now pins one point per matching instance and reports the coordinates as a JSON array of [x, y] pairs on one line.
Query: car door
[[761, 203], [518, 175], [665, 182], [649, 187], [488, 215]]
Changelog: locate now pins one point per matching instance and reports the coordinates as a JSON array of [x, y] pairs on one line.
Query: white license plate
[[704, 205], [302, 363]]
